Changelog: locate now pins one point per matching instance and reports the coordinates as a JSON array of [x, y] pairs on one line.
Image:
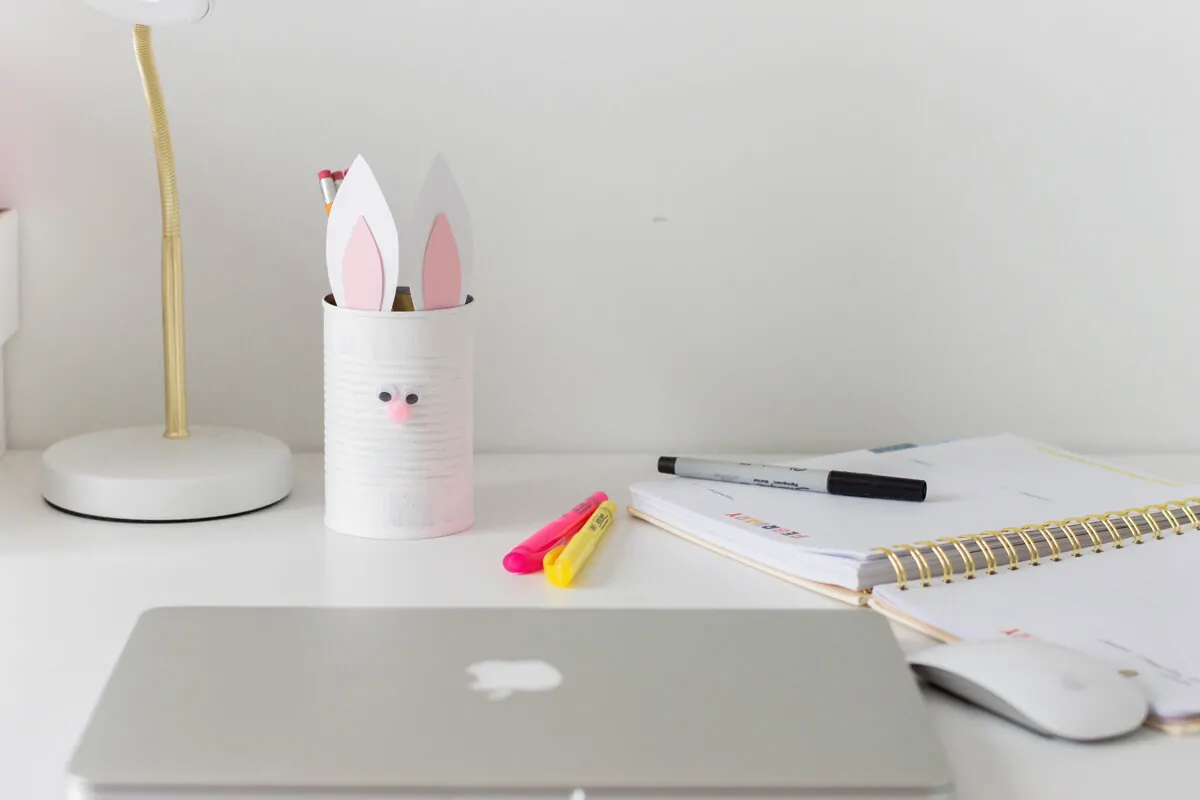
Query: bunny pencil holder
[[399, 384]]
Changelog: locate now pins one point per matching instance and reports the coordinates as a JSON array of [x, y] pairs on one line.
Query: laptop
[[390, 703]]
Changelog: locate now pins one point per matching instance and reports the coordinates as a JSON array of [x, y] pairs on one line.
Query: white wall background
[[887, 220]]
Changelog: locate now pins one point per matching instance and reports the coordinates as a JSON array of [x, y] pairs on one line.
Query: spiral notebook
[[1013, 540]]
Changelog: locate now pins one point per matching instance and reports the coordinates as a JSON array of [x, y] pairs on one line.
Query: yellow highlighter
[[564, 562]]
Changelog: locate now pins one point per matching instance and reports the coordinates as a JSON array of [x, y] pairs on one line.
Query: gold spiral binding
[[1113, 533], [1110, 514], [922, 564], [1030, 547], [1051, 544], [947, 568], [965, 554], [1097, 544], [1008, 548], [987, 552], [1168, 516], [1051, 541], [1171, 518], [1076, 548], [1127, 517], [901, 575], [1177, 514], [1134, 524], [1191, 514], [1169, 513], [1149, 517]]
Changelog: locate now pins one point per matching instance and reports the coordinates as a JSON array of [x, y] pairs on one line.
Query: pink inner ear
[[362, 270], [441, 274]]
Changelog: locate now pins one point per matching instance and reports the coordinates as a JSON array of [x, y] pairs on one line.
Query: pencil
[[328, 190]]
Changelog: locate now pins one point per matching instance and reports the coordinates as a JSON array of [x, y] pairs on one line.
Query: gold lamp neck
[[174, 368]]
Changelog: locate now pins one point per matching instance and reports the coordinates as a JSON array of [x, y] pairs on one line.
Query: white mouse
[[1049, 689]]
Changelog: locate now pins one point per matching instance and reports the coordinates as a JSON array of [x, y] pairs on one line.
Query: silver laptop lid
[[461, 700]]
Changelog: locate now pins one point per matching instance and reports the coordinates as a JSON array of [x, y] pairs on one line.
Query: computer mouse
[[1050, 689]]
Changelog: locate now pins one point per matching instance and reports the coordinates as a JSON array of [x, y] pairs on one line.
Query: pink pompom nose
[[399, 411]]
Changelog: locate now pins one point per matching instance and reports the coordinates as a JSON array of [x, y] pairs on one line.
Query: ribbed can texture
[[399, 480]]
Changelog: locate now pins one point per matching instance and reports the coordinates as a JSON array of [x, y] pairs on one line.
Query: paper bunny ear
[[360, 223], [440, 261], [362, 271], [441, 271]]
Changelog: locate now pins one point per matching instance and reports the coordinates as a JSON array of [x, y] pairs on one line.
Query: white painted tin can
[[399, 422]]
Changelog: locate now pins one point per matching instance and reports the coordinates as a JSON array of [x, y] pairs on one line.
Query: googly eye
[[411, 398], [387, 393]]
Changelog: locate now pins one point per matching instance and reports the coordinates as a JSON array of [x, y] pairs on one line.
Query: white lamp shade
[[154, 12]]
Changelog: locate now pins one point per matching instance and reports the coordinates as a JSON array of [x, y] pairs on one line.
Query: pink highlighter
[[527, 556]]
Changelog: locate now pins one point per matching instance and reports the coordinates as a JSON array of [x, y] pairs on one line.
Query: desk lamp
[[148, 474]]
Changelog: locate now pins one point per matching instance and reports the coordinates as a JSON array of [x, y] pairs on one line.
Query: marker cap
[[666, 465], [881, 487]]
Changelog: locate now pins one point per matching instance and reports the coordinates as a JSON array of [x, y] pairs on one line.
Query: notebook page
[[975, 485], [1135, 608]]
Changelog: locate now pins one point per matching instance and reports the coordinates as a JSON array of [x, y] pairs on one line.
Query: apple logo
[[502, 679]]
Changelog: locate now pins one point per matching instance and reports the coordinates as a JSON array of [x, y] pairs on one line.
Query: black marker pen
[[800, 479]]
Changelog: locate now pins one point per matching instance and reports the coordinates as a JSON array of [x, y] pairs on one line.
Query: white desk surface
[[71, 589]]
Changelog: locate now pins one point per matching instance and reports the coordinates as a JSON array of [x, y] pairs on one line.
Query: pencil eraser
[[324, 174]]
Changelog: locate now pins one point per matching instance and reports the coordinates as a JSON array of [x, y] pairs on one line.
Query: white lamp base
[[138, 475]]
